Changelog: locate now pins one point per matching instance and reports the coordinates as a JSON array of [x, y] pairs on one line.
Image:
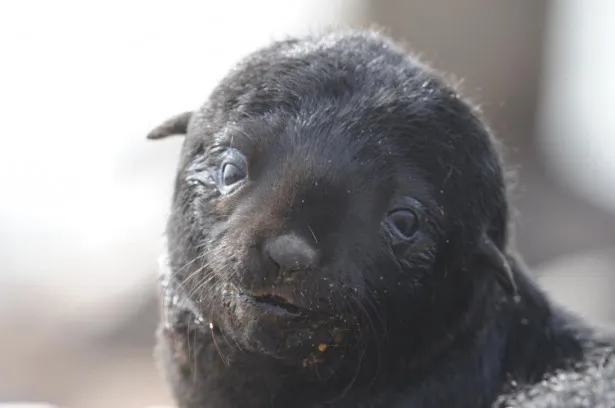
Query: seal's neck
[[497, 341]]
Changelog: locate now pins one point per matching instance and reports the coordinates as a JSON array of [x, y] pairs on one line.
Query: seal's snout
[[292, 253]]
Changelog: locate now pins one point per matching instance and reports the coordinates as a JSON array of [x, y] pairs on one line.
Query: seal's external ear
[[176, 125], [498, 264]]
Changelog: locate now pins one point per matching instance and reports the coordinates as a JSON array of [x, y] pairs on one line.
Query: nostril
[[292, 253]]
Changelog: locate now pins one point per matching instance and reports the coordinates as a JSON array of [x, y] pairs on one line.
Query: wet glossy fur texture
[[336, 128]]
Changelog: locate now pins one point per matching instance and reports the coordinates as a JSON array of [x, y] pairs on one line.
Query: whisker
[[225, 337], [369, 298], [213, 337], [313, 234]]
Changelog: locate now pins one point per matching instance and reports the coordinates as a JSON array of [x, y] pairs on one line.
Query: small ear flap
[[176, 125], [496, 259]]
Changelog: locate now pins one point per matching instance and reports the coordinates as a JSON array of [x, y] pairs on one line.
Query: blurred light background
[[84, 196]]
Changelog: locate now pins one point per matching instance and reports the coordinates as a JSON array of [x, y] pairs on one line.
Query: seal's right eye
[[232, 171], [232, 174]]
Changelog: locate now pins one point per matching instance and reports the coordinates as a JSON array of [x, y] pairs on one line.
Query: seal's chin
[[270, 324]]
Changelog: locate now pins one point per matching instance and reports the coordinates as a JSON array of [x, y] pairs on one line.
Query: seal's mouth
[[275, 302], [272, 304], [279, 322], [278, 302]]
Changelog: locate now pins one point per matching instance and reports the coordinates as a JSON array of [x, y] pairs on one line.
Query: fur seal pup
[[339, 237]]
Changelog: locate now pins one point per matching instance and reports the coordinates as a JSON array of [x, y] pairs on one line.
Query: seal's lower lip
[[271, 304]]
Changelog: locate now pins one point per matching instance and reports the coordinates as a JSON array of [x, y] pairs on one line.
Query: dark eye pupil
[[405, 222], [231, 174]]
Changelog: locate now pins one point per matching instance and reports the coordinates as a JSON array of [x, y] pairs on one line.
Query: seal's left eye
[[232, 174], [403, 223]]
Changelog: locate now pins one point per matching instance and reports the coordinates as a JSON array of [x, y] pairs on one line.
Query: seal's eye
[[403, 223], [231, 174]]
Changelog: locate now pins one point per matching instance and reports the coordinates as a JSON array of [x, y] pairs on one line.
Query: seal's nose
[[292, 253]]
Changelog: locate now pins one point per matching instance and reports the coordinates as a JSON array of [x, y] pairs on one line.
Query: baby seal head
[[331, 190]]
